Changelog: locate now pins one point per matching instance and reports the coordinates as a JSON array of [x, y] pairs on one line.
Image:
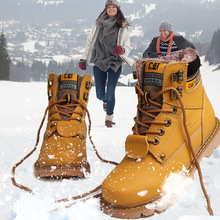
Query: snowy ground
[[22, 107]]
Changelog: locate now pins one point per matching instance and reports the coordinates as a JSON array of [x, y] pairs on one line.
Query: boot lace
[[147, 100]]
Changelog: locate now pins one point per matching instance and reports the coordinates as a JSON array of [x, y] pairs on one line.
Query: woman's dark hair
[[120, 18]]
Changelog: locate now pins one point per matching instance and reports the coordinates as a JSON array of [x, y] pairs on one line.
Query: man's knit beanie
[[166, 25], [112, 2]]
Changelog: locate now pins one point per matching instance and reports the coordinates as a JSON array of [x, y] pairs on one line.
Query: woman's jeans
[[106, 94]]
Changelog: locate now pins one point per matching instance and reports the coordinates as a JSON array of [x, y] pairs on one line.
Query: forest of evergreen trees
[[39, 71], [4, 59], [213, 53]]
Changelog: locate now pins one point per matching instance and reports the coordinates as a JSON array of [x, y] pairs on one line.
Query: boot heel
[[61, 171], [213, 141]]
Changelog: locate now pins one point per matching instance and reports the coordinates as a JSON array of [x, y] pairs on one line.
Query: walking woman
[[107, 49]]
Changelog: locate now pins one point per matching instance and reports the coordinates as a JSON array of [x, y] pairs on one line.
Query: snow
[[127, 79], [175, 187], [22, 108], [61, 58], [208, 1], [149, 8], [127, 1], [45, 2], [181, 33], [29, 46], [142, 193], [137, 31], [134, 16], [137, 15]]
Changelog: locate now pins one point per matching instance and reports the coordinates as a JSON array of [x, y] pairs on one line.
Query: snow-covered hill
[[22, 107]]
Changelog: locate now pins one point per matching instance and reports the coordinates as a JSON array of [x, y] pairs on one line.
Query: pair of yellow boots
[[175, 127]]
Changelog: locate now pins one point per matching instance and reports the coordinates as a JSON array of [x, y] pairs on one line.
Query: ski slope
[[22, 108]]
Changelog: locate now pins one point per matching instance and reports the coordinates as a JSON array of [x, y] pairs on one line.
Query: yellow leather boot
[[63, 152], [174, 120]]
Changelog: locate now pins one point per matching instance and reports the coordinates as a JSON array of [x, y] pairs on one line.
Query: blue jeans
[[106, 94]]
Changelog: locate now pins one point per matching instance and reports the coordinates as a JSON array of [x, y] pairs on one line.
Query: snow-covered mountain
[[187, 16]]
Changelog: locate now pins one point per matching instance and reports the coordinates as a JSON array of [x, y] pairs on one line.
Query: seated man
[[167, 43]]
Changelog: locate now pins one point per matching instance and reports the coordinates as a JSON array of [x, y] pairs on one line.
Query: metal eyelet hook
[[80, 137], [162, 131], [169, 122], [156, 140], [79, 120], [174, 109]]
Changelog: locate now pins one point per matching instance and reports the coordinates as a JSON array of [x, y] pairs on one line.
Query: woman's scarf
[[109, 24], [102, 55]]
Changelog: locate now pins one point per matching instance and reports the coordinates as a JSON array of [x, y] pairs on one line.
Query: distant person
[[167, 43], [107, 48]]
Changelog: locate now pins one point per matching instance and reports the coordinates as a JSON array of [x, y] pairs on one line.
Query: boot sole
[[206, 150], [61, 171]]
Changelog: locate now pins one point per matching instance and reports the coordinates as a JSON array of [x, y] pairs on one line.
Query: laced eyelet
[[162, 156], [53, 124], [50, 83], [174, 109], [86, 96], [169, 122], [50, 94], [162, 131], [156, 141], [88, 85], [80, 137], [79, 120]]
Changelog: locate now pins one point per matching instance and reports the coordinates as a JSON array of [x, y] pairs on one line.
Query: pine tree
[[38, 70], [4, 59], [53, 67], [218, 46], [213, 54]]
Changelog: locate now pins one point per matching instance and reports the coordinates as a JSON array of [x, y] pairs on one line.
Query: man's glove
[[82, 64], [118, 50]]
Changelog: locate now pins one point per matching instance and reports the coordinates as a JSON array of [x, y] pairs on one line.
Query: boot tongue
[[68, 88], [151, 84], [153, 77], [68, 85]]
